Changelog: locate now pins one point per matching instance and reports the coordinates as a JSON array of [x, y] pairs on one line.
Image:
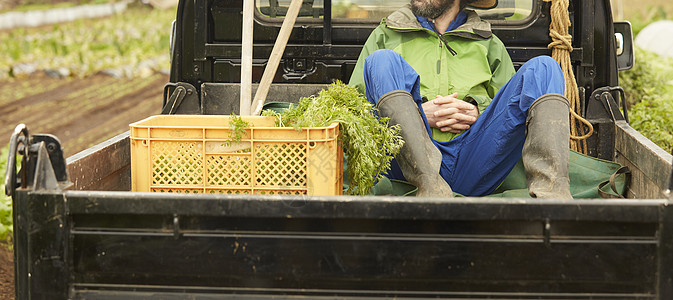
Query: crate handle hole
[[311, 144]]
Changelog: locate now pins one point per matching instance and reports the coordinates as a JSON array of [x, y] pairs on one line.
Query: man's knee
[[544, 63], [544, 72], [543, 59], [382, 55], [384, 58]]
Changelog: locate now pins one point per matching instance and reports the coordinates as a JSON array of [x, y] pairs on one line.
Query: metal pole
[[246, 57], [669, 191], [276, 54], [327, 23]]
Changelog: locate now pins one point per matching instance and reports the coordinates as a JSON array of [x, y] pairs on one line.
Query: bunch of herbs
[[369, 143], [237, 127]]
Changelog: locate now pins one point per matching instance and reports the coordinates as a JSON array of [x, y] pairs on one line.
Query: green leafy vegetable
[[132, 41], [649, 93], [368, 142], [237, 127], [5, 201]]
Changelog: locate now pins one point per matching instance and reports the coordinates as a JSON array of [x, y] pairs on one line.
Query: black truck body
[[79, 233]]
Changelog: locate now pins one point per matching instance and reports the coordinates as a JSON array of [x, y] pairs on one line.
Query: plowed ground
[[80, 112]]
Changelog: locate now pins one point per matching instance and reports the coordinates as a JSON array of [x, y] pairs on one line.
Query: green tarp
[[586, 175]]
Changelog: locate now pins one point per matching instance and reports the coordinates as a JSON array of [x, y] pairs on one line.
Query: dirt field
[[80, 112], [6, 273]]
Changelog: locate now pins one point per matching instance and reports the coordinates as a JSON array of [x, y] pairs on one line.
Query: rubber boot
[[545, 151], [418, 159]]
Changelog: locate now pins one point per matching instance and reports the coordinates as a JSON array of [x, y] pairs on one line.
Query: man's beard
[[426, 9]]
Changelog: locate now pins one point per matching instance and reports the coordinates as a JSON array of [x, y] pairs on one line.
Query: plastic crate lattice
[[176, 163], [194, 154]]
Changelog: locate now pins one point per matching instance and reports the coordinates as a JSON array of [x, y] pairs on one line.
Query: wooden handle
[[274, 58], [246, 57]]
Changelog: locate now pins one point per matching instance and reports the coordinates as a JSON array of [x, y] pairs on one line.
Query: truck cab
[[80, 233]]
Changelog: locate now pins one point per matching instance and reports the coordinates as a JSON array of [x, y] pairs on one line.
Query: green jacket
[[480, 67]]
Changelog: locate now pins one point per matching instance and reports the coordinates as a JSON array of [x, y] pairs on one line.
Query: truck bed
[[157, 246], [97, 240], [106, 167]]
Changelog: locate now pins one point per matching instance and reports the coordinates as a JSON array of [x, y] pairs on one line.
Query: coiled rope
[[561, 46]]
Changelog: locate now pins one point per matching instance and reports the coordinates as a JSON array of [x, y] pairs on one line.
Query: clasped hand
[[448, 113]]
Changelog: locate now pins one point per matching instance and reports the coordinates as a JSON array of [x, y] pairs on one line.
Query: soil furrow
[[111, 116], [81, 112]]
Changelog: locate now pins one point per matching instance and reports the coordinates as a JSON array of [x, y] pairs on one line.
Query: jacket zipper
[[443, 39]]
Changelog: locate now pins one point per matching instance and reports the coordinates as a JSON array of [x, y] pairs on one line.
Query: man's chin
[[424, 8], [419, 8], [419, 5]]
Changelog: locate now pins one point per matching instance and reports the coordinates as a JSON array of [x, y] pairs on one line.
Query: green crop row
[[5, 201], [87, 46], [649, 93], [649, 86]]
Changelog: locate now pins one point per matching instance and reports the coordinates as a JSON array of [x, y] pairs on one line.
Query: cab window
[[348, 11]]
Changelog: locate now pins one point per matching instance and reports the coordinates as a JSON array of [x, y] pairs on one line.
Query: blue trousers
[[478, 160]]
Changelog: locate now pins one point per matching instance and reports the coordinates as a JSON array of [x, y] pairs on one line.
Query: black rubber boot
[[418, 159], [545, 151]]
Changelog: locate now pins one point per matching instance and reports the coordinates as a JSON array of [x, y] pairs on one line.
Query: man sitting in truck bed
[[436, 67]]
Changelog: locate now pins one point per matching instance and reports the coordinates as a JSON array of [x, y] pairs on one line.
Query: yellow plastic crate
[[194, 154]]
